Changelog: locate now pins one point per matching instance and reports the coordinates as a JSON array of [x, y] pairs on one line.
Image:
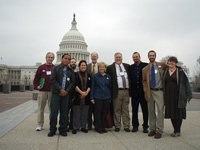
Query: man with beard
[[137, 93], [152, 83], [71, 98], [73, 64]]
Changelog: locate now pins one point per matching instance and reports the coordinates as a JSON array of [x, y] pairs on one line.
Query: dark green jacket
[[184, 88]]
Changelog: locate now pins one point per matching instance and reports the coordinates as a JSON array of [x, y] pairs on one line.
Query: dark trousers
[[100, 112], [80, 115], [70, 116], [90, 112], [59, 103], [135, 101], [71, 119], [177, 125]]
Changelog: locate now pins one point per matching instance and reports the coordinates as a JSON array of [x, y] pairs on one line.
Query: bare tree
[[196, 78], [165, 60], [180, 64]]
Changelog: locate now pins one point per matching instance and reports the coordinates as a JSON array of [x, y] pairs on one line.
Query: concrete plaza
[[17, 132]]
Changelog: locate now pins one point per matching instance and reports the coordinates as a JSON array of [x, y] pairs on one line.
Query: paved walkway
[[12, 117], [17, 132], [8, 101]]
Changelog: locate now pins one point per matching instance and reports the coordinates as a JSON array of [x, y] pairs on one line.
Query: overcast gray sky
[[31, 28]]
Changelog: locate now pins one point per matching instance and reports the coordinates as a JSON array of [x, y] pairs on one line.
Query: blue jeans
[[59, 103]]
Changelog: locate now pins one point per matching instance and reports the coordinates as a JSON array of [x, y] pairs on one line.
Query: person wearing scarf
[[82, 98]]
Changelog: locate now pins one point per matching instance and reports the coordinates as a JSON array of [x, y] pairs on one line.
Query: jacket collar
[[61, 66]]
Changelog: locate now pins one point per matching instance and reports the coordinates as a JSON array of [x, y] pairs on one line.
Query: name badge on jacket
[[48, 72], [156, 71], [121, 73]]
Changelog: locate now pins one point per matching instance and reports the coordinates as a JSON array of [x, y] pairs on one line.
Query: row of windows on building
[[75, 37], [15, 75], [77, 56], [73, 46], [28, 72], [14, 83]]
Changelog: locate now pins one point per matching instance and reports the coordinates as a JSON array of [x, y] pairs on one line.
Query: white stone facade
[[16, 75], [28, 74]]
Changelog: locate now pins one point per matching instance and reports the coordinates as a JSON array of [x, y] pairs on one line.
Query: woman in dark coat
[[82, 98], [177, 92]]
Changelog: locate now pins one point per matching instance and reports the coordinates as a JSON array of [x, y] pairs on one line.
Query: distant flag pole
[[1, 59], [198, 60]]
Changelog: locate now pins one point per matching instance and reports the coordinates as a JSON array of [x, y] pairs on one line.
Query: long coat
[[184, 88], [77, 99]]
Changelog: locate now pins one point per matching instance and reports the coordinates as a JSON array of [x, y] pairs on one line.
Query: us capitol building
[[74, 44], [20, 78]]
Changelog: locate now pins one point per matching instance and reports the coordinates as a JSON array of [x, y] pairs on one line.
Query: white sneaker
[[39, 128]]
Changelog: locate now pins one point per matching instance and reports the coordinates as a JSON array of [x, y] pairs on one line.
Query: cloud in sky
[[29, 29]]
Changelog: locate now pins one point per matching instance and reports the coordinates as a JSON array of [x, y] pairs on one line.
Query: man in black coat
[[63, 82], [137, 93]]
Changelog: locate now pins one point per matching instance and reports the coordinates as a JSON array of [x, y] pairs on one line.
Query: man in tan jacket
[[152, 84]]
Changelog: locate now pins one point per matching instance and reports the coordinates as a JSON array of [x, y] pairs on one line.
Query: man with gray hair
[[119, 73], [92, 68], [43, 84]]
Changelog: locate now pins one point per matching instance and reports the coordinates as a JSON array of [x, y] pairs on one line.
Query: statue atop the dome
[[74, 17]]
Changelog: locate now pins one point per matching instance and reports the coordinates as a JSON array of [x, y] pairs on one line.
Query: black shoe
[[105, 131], [74, 132], [117, 129], [145, 130], [84, 130], [99, 131], [127, 129], [50, 134], [135, 129], [67, 130], [63, 133]]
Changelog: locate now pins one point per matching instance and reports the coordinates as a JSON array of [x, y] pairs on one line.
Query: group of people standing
[[96, 87]]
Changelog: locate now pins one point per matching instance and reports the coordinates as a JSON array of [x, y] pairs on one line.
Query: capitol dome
[[73, 35], [74, 44]]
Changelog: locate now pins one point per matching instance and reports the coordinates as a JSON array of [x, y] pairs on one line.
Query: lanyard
[[50, 69]]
